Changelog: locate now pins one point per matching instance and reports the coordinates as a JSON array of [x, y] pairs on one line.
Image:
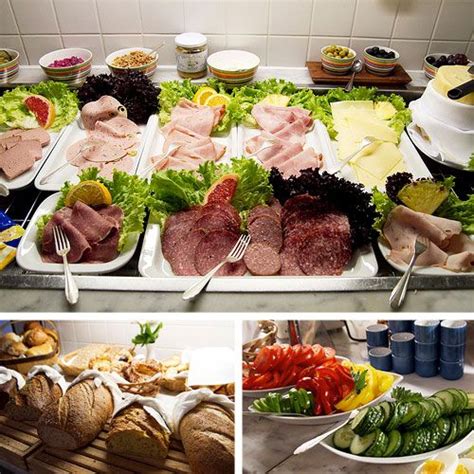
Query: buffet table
[[268, 445], [125, 290]]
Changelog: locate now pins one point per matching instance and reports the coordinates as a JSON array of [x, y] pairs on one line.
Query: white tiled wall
[[174, 337], [281, 32]]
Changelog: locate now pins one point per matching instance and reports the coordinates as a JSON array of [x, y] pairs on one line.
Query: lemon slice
[[218, 99], [91, 193], [202, 94]]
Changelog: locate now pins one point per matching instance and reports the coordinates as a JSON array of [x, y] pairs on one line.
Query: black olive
[[375, 49], [430, 59]]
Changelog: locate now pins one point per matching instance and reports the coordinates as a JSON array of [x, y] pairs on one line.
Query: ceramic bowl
[[72, 75], [335, 65], [233, 66], [147, 69], [380, 66], [10, 68]]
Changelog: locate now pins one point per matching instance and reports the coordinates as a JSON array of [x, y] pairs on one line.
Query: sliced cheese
[[385, 110], [448, 77]]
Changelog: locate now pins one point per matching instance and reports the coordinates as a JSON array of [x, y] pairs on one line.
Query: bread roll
[[35, 337], [32, 325], [16, 349], [76, 418], [42, 349], [30, 401], [7, 340], [7, 390], [134, 432], [207, 432]]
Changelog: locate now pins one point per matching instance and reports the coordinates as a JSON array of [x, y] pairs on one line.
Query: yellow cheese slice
[[448, 77], [367, 179], [385, 110]]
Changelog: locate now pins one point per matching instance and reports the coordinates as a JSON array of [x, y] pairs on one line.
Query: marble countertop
[[268, 445]]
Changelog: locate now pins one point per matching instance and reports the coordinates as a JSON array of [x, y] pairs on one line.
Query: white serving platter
[[263, 392], [436, 271], [317, 138], [329, 419], [72, 134], [459, 447], [26, 178], [156, 140], [152, 264], [28, 256]]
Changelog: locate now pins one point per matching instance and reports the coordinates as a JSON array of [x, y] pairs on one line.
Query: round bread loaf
[[7, 390]]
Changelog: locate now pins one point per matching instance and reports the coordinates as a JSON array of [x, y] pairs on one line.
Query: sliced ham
[[105, 108], [307, 158], [20, 158], [119, 127], [126, 164], [273, 119]]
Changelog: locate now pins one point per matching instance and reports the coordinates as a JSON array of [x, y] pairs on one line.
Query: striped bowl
[[233, 66], [147, 69], [9, 69], [430, 70], [380, 66], [335, 65], [72, 75]]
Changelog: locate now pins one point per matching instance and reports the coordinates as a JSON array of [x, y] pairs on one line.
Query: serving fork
[[397, 297], [63, 247], [235, 255]]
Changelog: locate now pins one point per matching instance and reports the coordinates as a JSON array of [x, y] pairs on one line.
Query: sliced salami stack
[[316, 238], [196, 240]]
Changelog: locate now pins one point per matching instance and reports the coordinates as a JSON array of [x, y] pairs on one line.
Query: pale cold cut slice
[[213, 249], [38, 134], [266, 230], [20, 158], [105, 108], [261, 259], [118, 127], [126, 164]]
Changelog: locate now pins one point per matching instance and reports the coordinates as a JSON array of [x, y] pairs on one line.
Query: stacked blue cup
[[403, 352], [453, 346], [377, 336], [400, 325], [426, 348]]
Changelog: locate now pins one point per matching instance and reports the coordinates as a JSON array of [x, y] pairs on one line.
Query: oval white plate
[[262, 393], [329, 419], [459, 447], [385, 250], [29, 258]]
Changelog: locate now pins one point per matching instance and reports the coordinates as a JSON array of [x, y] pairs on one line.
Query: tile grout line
[[12, 11], [351, 35], [440, 6], [53, 6], [102, 42], [395, 20]]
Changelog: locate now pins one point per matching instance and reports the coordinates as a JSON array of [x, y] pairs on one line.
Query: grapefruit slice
[[223, 189], [42, 108]]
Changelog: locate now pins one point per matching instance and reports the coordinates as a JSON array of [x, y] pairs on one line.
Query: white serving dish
[[73, 133], [28, 256], [385, 250], [329, 419], [26, 178], [459, 447], [156, 140], [152, 264], [262, 393]]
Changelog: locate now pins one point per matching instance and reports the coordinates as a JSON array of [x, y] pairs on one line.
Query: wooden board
[[18, 441], [399, 78]]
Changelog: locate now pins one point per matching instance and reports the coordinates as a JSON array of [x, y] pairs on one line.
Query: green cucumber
[[453, 431], [448, 399], [414, 410], [422, 439], [343, 437], [398, 413], [394, 444], [408, 440], [441, 405], [378, 447], [387, 409], [359, 420], [360, 444]]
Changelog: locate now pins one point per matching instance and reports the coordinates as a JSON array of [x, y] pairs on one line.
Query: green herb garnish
[[148, 334], [402, 394], [359, 380]]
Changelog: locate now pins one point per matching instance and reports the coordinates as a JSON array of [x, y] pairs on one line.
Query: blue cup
[[403, 344], [426, 351], [397, 325], [452, 353], [377, 335], [453, 333], [381, 358], [403, 365], [426, 331], [426, 368], [451, 370]]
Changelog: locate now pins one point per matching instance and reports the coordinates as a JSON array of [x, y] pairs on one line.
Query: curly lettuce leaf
[[459, 210], [383, 206], [470, 165], [172, 191], [40, 225], [129, 192], [14, 114]]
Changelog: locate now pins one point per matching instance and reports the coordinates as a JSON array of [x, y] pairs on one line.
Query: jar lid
[[190, 40]]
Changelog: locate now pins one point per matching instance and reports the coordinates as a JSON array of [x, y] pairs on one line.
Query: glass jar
[[191, 55]]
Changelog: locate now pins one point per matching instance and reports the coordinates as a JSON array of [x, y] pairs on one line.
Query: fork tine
[[242, 247], [66, 244], [56, 243], [231, 253]]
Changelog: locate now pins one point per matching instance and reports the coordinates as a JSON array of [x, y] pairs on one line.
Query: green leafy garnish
[[470, 165], [14, 114], [383, 205], [149, 333], [402, 394], [359, 380]]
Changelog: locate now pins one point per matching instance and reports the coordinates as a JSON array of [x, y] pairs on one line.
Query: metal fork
[[398, 294], [235, 255], [63, 247]]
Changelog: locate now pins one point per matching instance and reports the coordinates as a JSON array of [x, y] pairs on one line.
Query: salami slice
[[181, 216], [289, 263], [216, 220], [213, 249], [261, 259], [183, 262], [224, 207], [266, 230], [297, 203], [173, 240], [260, 211]]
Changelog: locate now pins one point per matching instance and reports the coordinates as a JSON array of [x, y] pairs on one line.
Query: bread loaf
[[7, 390], [207, 433], [134, 432], [30, 401], [76, 418], [42, 349], [35, 337]]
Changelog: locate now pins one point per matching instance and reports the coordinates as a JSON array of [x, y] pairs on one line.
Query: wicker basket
[[267, 337], [24, 364]]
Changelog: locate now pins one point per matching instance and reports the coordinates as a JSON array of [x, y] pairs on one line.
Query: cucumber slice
[[441, 405], [417, 421], [414, 410], [458, 399], [466, 424], [408, 440], [430, 410], [343, 437], [448, 399], [435, 437], [387, 412], [398, 413], [464, 396], [378, 447], [358, 422], [444, 426], [360, 444], [453, 431], [394, 444], [422, 438]]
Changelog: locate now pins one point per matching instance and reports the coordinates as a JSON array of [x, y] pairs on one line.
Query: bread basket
[[267, 337], [24, 364]]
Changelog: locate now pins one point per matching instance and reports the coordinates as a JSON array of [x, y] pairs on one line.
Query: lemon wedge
[[90, 192], [202, 94], [218, 99]]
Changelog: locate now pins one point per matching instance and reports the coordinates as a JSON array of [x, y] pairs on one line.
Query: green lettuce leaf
[[13, 114], [459, 210], [383, 206], [129, 192], [470, 165]]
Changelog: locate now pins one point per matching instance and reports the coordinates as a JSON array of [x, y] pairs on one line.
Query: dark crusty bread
[[7, 390], [134, 432], [207, 433], [76, 418], [29, 402]]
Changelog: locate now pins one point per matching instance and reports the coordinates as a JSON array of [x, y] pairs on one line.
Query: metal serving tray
[[21, 205]]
